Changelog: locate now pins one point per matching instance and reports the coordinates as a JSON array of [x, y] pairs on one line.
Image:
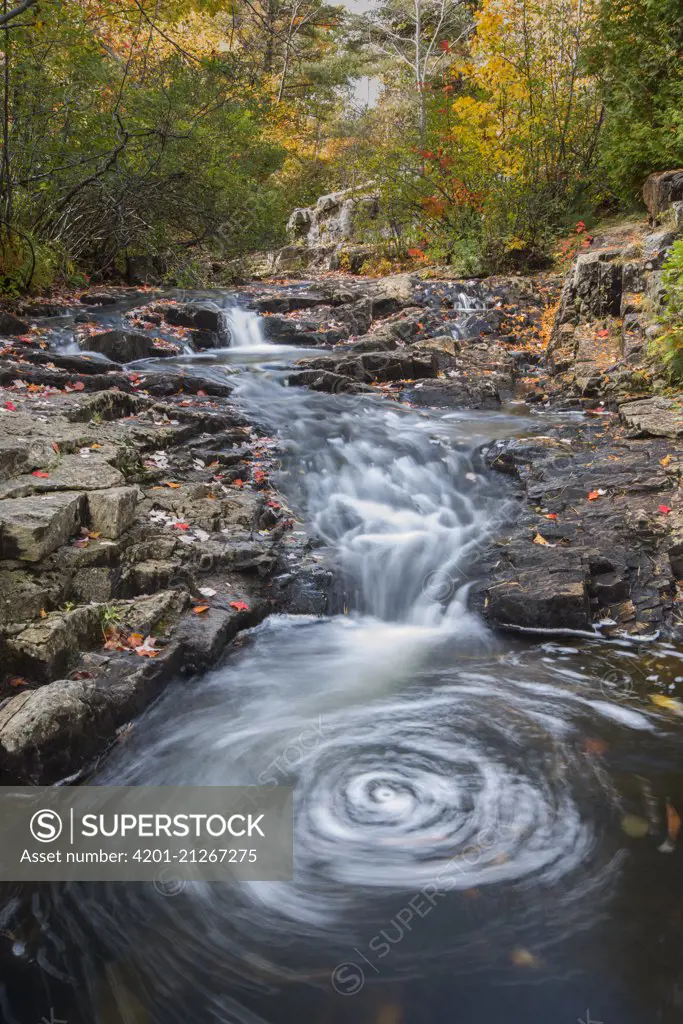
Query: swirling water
[[458, 796]]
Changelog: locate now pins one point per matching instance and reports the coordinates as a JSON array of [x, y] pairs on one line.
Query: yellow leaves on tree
[[532, 114]]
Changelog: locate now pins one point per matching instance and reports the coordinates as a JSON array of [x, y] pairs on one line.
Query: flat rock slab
[[31, 528], [654, 417], [72, 472]]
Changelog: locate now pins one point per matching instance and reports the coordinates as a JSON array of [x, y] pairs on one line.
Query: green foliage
[[669, 345], [637, 55]]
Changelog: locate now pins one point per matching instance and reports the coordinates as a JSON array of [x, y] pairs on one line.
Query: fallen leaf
[[594, 495], [199, 609], [43, 613], [673, 827], [17, 681], [239, 606], [40, 473], [664, 509], [665, 461], [172, 484], [635, 826], [551, 515], [10, 406], [136, 640], [538, 539], [238, 483], [55, 447], [595, 747], [670, 703], [524, 958], [78, 386], [181, 526], [259, 476], [602, 334]]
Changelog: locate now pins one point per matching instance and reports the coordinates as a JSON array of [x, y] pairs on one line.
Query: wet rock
[[307, 333], [11, 325], [72, 364], [98, 299], [202, 317], [125, 346], [540, 601], [30, 528], [112, 511], [654, 417]]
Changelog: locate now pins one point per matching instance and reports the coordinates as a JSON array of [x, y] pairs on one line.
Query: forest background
[[180, 134]]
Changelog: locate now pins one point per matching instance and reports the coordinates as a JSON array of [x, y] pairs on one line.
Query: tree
[[418, 35], [636, 53]]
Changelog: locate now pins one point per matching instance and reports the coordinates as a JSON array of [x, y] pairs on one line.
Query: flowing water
[[465, 848]]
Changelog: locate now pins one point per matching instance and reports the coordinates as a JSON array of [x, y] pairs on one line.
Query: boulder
[[45, 732], [31, 528], [202, 317], [112, 511], [539, 600], [336, 217], [126, 346], [661, 190], [11, 325]]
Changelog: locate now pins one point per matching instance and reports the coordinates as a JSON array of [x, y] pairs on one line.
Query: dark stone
[[124, 346], [11, 325], [200, 317]]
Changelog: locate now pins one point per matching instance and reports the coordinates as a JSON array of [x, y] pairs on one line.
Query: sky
[[366, 90]]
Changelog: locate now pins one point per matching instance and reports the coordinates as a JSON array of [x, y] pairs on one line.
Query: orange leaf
[[551, 515], [238, 483], [240, 606], [40, 473], [17, 681], [200, 609], [136, 640], [593, 495]]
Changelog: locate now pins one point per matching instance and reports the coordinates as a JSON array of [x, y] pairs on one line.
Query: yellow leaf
[[522, 957], [538, 539], [665, 461], [634, 826], [670, 703]]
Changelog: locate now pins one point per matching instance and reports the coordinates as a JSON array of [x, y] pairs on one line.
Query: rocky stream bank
[[141, 529]]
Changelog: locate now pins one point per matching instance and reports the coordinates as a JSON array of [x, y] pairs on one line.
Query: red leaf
[[664, 509], [181, 526], [238, 483], [78, 386], [40, 473], [239, 606], [602, 334], [10, 406]]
